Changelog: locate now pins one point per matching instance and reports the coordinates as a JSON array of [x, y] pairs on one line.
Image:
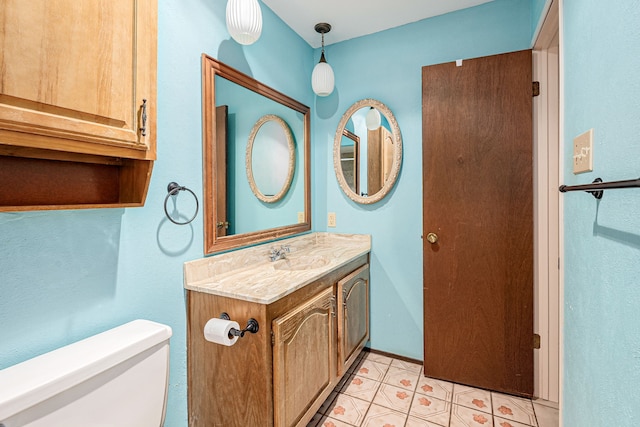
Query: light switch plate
[[583, 152], [331, 222], [300, 217]]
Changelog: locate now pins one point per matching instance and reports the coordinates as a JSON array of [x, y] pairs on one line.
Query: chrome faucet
[[276, 254]]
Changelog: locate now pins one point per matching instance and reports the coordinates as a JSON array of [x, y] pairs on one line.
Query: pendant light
[[322, 79], [244, 20], [373, 119]]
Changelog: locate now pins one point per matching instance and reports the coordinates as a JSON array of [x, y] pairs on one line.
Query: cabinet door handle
[[143, 128]]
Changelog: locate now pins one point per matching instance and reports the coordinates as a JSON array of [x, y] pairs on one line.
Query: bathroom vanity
[[312, 308]]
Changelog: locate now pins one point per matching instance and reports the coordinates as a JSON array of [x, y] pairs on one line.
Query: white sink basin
[[305, 262]]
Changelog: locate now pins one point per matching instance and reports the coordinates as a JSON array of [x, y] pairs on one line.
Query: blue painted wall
[[66, 275], [537, 7], [387, 66], [602, 239]]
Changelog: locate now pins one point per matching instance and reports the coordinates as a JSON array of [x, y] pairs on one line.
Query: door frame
[[548, 245]]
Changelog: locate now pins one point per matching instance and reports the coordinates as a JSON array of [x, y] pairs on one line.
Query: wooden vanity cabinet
[[77, 103], [281, 375]]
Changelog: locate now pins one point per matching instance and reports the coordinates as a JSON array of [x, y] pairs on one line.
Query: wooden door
[[478, 200], [379, 158], [350, 160], [220, 213], [304, 360], [353, 316], [74, 76]]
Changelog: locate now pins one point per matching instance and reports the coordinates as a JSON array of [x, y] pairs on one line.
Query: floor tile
[[402, 378], [470, 397], [348, 409], [372, 370], [393, 397], [386, 392], [430, 409], [513, 408], [332, 422], [379, 358], [501, 422], [361, 387], [418, 422], [413, 367], [435, 388], [379, 416], [462, 416], [546, 416]]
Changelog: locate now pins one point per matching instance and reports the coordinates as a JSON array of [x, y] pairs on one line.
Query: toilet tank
[[117, 378]]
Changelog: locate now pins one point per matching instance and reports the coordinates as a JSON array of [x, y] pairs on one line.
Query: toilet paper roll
[[217, 331]]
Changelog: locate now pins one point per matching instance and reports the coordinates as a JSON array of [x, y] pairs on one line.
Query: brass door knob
[[432, 238]]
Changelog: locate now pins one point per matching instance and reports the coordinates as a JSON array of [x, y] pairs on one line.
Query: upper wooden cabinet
[[77, 102]]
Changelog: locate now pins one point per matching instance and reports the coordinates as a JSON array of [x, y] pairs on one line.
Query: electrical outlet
[[331, 222], [300, 217], [583, 152]]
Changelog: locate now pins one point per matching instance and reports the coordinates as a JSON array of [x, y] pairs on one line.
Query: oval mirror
[[270, 159], [367, 151]]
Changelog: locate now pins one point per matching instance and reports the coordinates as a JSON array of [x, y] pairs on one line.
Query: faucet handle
[[285, 248]]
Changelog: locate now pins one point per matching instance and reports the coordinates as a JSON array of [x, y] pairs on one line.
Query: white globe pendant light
[[244, 20], [373, 119], [322, 78]]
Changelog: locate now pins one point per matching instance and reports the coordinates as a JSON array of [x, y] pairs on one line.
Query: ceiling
[[355, 18]]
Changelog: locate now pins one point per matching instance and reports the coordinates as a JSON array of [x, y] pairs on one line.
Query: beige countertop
[[249, 275]]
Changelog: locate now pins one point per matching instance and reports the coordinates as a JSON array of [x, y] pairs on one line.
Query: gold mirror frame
[[397, 154], [212, 241], [249, 158]]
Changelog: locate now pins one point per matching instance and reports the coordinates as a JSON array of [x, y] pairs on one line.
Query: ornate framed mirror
[[367, 151], [234, 215]]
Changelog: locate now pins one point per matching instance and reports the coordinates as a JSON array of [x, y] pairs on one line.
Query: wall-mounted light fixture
[[244, 20], [322, 79], [373, 119]]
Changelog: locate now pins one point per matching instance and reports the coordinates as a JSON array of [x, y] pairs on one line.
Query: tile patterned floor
[[379, 391]]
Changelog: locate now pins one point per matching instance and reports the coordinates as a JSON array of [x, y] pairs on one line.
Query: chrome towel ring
[[173, 189]]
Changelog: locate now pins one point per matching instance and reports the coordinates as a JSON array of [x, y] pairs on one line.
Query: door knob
[[432, 238]]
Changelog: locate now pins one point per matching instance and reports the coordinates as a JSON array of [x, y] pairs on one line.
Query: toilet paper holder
[[252, 326]]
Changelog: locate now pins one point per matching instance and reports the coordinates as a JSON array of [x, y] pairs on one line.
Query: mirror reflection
[[270, 161], [367, 151], [251, 198]]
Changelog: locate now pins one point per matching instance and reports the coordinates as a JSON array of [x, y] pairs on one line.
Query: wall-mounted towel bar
[[597, 187]]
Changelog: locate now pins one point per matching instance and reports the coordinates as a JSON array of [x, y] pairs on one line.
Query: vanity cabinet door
[[74, 76], [304, 364], [353, 316]]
